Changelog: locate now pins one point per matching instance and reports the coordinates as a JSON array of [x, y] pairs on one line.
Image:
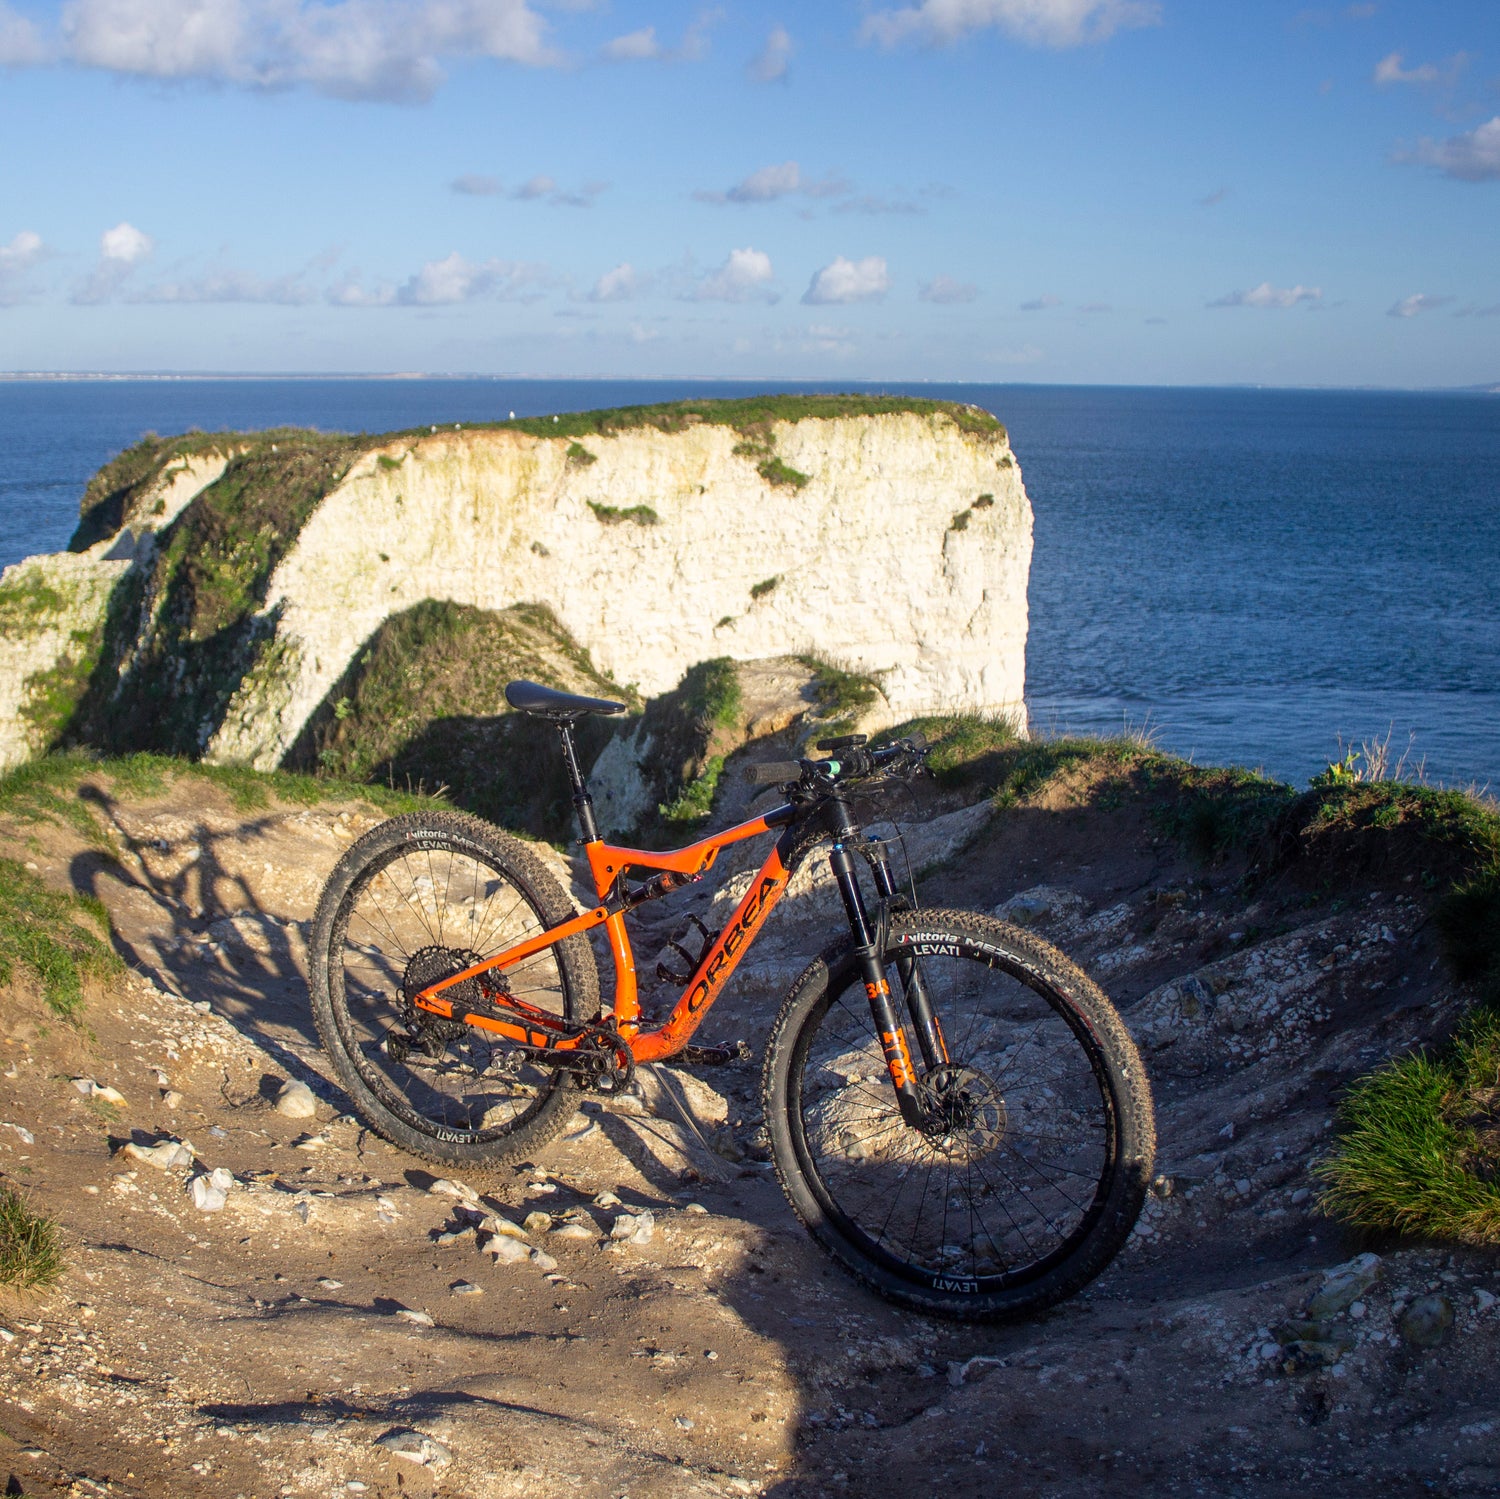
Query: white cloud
[[542, 187], [621, 284], [20, 44], [443, 283], [773, 60], [783, 179], [1390, 69], [846, 280], [353, 49], [1474, 310], [228, 285], [121, 249], [1471, 157], [474, 185], [1042, 23], [643, 44], [634, 46], [1266, 295], [125, 243], [746, 276], [871, 203], [1418, 303], [1042, 303], [24, 251], [944, 290]]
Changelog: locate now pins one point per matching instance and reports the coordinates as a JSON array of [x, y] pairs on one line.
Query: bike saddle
[[559, 707]]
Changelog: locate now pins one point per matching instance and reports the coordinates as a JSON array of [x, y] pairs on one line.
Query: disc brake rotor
[[964, 1112]]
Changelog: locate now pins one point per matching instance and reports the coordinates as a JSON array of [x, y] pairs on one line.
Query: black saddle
[[557, 707]]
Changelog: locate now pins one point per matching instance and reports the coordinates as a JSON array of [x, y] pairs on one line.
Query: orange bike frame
[[608, 863]]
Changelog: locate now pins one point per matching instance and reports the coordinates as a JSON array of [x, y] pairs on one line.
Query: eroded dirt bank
[[269, 1348]]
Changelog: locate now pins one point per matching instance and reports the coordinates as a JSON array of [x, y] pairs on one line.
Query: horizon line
[[19, 377]]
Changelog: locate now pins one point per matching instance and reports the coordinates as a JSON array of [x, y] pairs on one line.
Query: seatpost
[[583, 803]]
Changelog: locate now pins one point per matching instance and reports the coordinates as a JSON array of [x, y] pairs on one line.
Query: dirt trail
[[268, 1349]]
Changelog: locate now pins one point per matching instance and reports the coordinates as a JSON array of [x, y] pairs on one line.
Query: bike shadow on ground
[[198, 929]]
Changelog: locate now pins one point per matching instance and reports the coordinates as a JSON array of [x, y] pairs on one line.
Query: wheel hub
[[964, 1111]]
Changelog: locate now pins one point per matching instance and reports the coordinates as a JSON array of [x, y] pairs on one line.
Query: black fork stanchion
[[872, 968], [913, 985]]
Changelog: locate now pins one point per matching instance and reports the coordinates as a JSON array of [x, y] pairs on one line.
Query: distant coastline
[[768, 382]]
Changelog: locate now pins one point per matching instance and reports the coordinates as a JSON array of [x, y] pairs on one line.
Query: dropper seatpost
[[583, 803]]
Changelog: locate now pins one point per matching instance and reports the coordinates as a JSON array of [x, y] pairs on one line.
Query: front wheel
[[1030, 1165]]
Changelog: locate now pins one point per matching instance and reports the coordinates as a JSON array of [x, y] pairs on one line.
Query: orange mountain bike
[[956, 1112]]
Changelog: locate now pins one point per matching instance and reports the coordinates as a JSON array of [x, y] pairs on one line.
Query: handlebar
[[902, 758]]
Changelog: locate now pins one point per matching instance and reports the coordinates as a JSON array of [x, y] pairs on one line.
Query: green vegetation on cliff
[[750, 413], [422, 704], [182, 636]]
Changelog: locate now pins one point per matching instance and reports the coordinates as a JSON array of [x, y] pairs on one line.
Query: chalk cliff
[[242, 576]]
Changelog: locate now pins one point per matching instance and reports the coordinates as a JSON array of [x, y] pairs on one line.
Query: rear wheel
[[416, 900], [1032, 1161]]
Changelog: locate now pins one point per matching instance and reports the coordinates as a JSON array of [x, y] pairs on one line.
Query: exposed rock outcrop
[[892, 536]]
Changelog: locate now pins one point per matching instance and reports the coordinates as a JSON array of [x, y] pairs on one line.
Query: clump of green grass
[[31, 1254], [781, 475], [52, 937], [28, 600], [754, 411], [841, 693], [696, 799], [640, 515], [765, 586], [1419, 1149], [579, 456]]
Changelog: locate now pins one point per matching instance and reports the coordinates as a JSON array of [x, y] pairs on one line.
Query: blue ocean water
[[1254, 576]]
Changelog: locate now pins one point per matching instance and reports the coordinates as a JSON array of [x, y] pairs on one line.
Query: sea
[[1266, 578]]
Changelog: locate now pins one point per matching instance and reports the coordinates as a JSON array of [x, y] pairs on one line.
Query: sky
[[1084, 191]]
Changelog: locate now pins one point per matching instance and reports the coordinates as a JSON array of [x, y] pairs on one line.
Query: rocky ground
[[319, 1318]]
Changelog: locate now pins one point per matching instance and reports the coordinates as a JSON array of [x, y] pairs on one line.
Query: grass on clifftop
[[30, 1246], [751, 412]]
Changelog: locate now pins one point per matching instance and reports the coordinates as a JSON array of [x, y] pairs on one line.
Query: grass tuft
[[31, 1253], [52, 937], [640, 515], [1419, 1150]]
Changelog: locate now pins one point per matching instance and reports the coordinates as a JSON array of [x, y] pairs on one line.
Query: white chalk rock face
[[904, 555], [52, 607], [51, 615]]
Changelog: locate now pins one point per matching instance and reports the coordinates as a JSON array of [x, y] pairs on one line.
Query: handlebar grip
[[774, 772]]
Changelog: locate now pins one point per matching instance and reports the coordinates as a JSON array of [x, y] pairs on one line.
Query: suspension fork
[[872, 967], [924, 1019]]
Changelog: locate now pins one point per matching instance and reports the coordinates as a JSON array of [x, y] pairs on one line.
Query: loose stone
[[1425, 1323], [1344, 1285], [415, 1447], [506, 1250], [537, 1223], [634, 1228], [211, 1189], [417, 1319], [542, 1260], [296, 1100]]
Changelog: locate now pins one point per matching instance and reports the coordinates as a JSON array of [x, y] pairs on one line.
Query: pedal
[[711, 1056]]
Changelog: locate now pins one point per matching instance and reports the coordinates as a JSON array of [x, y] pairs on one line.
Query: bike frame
[[542, 1031], [608, 864]]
